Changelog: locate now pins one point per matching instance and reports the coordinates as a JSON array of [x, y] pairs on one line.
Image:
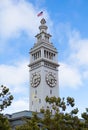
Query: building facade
[[17, 119], [43, 69], [43, 76]]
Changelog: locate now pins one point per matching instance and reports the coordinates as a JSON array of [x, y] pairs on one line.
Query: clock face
[[51, 79], [35, 80]]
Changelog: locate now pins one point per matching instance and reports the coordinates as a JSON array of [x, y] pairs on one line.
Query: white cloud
[[76, 53], [18, 105], [15, 77], [18, 16], [77, 46], [69, 76], [18, 19], [80, 54]]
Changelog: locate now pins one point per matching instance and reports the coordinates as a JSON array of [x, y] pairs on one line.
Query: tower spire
[[43, 27], [43, 35]]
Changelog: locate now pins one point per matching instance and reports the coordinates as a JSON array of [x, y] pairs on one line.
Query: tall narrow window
[[35, 92], [45, 53], [34, 56], [39, 53], [49, 55], [50, 91], [39, 100]]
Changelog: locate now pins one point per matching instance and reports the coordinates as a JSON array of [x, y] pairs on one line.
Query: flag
[[40, 14]]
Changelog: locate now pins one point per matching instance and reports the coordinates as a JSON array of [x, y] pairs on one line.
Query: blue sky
[[67, 22]]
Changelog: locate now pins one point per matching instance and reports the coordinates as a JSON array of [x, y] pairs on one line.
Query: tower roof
[[43, 38], [43, 27], [43, 21]]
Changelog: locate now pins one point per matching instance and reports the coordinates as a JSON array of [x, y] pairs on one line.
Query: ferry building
[[43, 71]]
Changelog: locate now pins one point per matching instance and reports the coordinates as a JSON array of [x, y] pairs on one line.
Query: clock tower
[[43, 69]]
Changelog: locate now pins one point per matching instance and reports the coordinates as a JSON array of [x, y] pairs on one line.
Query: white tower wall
[[43, 70]]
